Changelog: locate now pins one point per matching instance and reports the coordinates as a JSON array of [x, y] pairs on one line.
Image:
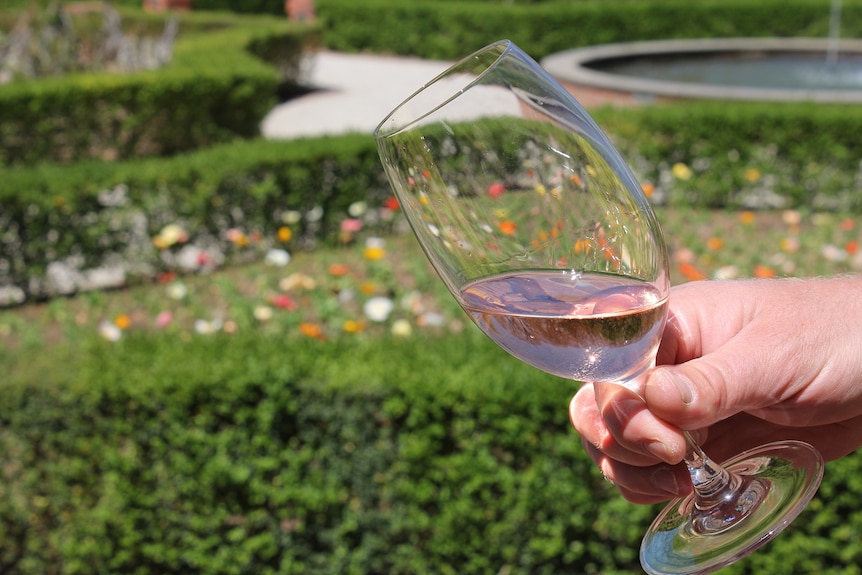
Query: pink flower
[[351, 225], [164, 319]]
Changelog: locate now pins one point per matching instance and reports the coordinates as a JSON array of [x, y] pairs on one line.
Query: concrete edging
[[569, 68]]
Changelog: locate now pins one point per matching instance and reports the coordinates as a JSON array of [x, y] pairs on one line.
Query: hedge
[[254, 454], [105, 215], [216, 88], [451, 30], [97, 214]]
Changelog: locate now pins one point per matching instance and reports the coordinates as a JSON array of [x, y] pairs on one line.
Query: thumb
[[703, 391]]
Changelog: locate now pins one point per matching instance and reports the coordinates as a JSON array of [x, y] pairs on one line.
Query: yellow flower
[[541, 189], [353, 326], [681, 172], [373, 253], [751, 175], [375, 249]]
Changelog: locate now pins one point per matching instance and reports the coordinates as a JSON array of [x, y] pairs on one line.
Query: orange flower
[[714, 243], [763, 272], [747, 217], [691, 273], [508, 227], [852, 247], [847, 225], [583, 246], [648, 189], [338, 270], [311, 330], [284, 234], [367, 288], [123, 321]]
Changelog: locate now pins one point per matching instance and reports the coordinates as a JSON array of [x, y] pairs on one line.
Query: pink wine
[[583, 326]]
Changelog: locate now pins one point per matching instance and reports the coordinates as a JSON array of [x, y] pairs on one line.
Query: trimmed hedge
[[451, 30], [216, 88], [96, 213], [252, 454], [749, 155], [99, 213]]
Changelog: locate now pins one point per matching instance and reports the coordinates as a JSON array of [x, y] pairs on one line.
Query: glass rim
[[380, 132]]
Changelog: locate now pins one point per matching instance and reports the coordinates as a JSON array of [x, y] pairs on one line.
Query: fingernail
[[658, 450], [682, 386], [664, 479]]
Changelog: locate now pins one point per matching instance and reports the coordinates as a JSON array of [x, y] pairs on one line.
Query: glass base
[[773, 484]]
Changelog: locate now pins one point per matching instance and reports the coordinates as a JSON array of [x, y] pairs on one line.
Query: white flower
[[432, 319], [205, 327], [378, 308], [177, 290], [11, 295], [726, 273], [291, 217], [833, 253], [314, 214], [356, 209], [110, 331], [375, 243], [277, 258], [263, 313]]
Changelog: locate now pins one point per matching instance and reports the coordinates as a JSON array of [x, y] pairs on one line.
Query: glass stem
[[710, 480]]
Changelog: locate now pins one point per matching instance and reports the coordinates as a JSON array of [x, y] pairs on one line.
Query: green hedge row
[[97, 214], [249, 454], [451, 30], [217, 87], [752, 155]]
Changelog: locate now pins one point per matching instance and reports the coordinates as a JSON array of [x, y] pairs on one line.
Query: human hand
[[741, 364]]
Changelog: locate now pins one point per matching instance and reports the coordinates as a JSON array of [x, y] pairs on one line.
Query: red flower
[[392, 203], [496, 190], [284, 301]]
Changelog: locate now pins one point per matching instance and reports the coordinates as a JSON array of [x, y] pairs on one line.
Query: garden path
[[354, 93]]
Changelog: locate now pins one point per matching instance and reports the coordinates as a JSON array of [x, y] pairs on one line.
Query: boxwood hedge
[[217, 87], [253, 454]]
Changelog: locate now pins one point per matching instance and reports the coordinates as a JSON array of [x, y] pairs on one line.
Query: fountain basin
[[755, 69]]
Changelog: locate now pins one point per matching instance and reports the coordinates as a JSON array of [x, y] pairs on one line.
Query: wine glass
[[546, 239]]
